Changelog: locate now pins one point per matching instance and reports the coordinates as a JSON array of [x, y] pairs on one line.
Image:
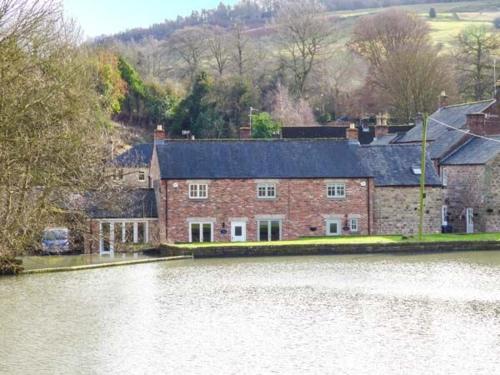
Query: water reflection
[[426, 314]]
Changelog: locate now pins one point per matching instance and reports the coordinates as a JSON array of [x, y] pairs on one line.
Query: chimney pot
[[352, 133], [159, 133], [443, 99]]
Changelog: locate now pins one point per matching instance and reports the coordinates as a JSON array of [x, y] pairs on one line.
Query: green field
[[451, 17]]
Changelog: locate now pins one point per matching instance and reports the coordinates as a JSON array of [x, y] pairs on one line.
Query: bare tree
[[239, 42], [219, 49], [406, 70], [289, 111], [189, 44], [476, 47], [305, 35]]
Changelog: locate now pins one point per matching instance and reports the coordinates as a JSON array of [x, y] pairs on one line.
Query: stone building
[[463, 145]]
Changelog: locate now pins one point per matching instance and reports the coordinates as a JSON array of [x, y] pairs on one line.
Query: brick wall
[[301, 204], [396, 210]]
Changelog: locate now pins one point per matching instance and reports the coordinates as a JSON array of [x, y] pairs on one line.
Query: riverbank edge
[[105, 265], [327, 249]]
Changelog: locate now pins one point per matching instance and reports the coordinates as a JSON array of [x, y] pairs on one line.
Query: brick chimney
[[483, 124], [443, 99], [351, 133], [245, 132], [476, 123], [159, 134], [381, 127]]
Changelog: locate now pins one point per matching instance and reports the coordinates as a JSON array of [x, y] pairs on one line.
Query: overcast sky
[[97, 17]]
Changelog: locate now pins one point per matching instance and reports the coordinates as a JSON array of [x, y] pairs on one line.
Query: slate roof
[[138, 155], [391, 165], [125, 204], [259, 159], [319, 158], [475, 151], [385, 140], [454, 115]]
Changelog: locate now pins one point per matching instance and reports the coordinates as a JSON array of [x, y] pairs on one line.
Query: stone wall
[[129, 177], [491, 210], [396, 210], [465, 188], [301, 205]]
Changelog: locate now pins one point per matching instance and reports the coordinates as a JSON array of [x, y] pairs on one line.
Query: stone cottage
[[467, 163]]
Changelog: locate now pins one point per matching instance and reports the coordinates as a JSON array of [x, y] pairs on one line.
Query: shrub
[[432, 13]]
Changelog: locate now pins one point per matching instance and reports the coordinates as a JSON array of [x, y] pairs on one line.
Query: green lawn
[[344, 240]]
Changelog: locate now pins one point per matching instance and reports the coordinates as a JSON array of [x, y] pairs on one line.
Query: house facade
[[266, 190], [270, 190]]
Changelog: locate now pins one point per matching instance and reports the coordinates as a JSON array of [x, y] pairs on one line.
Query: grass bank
[[354, 240], [340, 245]]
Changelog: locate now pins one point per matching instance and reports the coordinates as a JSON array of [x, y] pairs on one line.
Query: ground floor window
[[354, 224], [113, 232], [269, 230], [200, 232], [333, 227]]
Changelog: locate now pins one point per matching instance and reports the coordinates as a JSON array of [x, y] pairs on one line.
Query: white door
[[238, 231], [469, 219]]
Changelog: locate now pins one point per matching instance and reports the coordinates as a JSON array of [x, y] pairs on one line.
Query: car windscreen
[[55, 235]]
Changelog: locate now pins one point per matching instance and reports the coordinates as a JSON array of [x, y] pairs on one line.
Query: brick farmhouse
[[267, 190]]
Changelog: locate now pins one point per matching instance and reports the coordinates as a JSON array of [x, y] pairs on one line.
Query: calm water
[[426, 314]]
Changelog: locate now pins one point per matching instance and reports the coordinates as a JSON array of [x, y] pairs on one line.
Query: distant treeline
[[249, 13]]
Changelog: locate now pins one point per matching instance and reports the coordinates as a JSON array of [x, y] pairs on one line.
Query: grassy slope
[[358, 240], [451, 17]]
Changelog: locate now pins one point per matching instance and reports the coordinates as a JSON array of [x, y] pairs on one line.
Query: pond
[[371, 314]]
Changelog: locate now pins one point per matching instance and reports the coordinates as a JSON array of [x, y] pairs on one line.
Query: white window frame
[[444, 215], [195, 191], [201, 223], [269, 229], [335, 188], [141, 176], [267, 188], [444, 177], [354, 228], [339, 227]]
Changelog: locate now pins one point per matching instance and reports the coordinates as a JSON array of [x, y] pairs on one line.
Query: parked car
[[56, 240]]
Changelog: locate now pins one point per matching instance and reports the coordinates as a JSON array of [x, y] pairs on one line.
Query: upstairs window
[[266, 191], [198, 191], [335, 191], [142, 176]]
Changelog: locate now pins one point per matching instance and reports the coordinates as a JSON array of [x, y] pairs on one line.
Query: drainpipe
[[368, 203]]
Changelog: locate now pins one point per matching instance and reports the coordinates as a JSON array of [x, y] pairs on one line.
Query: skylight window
[[416, 170]]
